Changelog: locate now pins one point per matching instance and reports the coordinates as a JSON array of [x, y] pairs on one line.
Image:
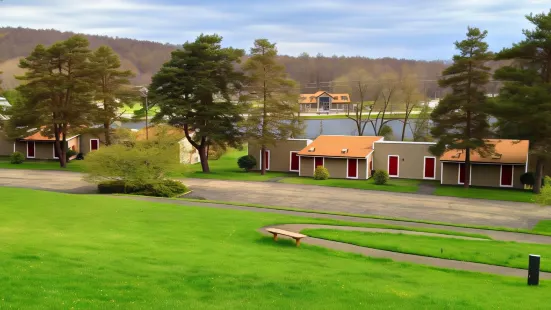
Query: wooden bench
[[275, 232]]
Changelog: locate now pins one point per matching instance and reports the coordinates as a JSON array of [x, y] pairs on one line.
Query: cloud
[[421, 29]]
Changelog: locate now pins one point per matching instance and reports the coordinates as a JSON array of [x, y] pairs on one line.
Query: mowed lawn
[[394, 185], [93, 252], [509, 254], [485, 193], [74, 165]]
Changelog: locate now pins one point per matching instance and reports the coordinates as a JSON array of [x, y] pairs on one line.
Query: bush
[[70, 153], [380, 177], [528, 178], [544, 197], [321, 173], [215, 152], [246, 162], [80, 156], [164, 188], [17, 158]]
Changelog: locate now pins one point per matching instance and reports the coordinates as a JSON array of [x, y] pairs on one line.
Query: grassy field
[[395, 185], [95, 252], [543, 226], [74, 165], [485, 193], [509, 254]]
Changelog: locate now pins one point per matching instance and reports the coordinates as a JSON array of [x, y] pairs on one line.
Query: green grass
[[75, 165], [225, 168], [343, 116], [485, 193], [394, 185], [543, 226], [96, 252], [508, 254]]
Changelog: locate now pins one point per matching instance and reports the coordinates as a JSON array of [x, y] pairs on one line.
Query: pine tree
[[57, 91], [113, 89], [274, 118], [461, 120], [197, 90], [523, 107]]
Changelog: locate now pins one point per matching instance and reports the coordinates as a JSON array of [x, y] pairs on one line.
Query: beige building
[[281, 157], [322, 101], [186, 153]]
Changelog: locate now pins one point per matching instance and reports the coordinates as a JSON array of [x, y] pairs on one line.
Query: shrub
[[321, 173], [80, 156], [70, 153], [246, 162], [17, 158], [528, 178], [380, 177], [544, 197], [163, 188], [215, 152]]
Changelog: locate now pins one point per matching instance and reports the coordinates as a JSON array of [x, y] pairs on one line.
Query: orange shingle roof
[[506, 152], [333, 146], [312, 98], [37, 136]]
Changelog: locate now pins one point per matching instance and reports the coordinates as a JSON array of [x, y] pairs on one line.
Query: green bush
[[164, 188], [246, 162], [528, 178], [70, 153], [380, 177], [17, 158], [321, 173], [544, 197]]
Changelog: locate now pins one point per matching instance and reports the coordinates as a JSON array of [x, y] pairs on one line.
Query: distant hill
[[145, 58]]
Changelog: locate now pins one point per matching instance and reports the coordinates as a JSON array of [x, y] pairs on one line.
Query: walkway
[[401, 257]]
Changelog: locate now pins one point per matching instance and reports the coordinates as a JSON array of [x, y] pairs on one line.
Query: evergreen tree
[[523, 107], [57, 91], [274, 118], [113, 89], [461, 120], [197, 90]]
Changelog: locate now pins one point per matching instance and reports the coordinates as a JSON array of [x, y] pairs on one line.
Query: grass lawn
[[225, 168], [394, 185], [485, 193], [77, 251], [543, 226], [509, 254], [74, 165]]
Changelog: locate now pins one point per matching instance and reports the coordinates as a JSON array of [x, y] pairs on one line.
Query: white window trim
[[512, 176], [269, 159], [322, 164], [91, 144], [441, 173], [459, 174], [397, 168], [357, 166], [34, 147], [425, 168], [53, 153], [14, 147], [291, 161]]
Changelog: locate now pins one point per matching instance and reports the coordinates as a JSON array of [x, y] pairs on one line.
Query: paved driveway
[[415, 206]]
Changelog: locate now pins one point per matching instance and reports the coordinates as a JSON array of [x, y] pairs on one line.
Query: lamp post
[[144, 91]]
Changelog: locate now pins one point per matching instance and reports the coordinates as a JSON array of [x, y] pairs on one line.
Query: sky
[[412, 29]]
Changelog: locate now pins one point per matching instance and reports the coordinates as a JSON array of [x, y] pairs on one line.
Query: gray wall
[[280, 153], [411, 161], [482, 175]]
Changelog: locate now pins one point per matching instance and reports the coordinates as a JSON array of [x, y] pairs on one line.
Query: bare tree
[[411, 96]]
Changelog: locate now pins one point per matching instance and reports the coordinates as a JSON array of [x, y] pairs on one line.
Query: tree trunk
[[57, 145], [262, 160], [204, 158], [63, 153], [404, 127], [107, 133], [467, 168], [539, 175]]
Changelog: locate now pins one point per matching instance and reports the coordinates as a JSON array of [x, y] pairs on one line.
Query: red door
[[94, 144], [318, 161], [393, 166], [430, 167], [462, 173], [30, 149], [506, 175], [267, 159], [352, 168], [294, 161]]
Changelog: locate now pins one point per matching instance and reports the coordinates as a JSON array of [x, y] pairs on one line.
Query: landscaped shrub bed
[[164, 188]]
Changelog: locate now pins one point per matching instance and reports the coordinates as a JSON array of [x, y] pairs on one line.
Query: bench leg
[[298, 241], [275, 236]]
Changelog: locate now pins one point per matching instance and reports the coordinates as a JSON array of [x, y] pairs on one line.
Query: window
[[318, 161], [94, 144], [393, 165], [344, 98], [295, 162]]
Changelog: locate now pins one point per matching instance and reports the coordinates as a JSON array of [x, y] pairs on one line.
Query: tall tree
[[421, 125], [57, 91], [360, 85], [197, 90], [460, 119], [113, 90], [275, 117], [411, 96], [523, 107]]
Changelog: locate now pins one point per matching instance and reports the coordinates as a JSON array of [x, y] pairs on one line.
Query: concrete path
[[319, 198], [401, 257]]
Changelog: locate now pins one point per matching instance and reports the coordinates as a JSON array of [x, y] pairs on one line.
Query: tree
[[523, 107], [113, 90], [57, 91], [272, 119], [421, 126], [411, 96], [461, 119], [196, 90], [358, 83]]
